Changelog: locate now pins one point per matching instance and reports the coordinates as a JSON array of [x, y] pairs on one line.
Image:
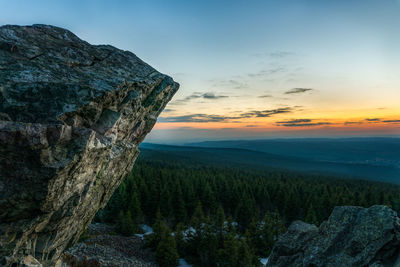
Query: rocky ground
[[101, 247]]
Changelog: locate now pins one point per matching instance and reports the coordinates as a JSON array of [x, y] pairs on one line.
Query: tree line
[[222, 216]]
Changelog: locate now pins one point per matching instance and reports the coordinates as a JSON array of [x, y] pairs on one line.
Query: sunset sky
[[251, 69]]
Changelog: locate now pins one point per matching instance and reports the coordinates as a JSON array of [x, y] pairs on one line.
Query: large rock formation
[[71, 118], [351, 237]]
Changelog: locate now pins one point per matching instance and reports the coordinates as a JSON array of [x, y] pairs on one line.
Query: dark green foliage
[[311, 216], [125, 224], [163, 243], [223, 216], [166, 252]]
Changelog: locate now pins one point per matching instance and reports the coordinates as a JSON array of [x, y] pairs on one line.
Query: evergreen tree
[[125, 224], [179, 207], [311, 216], [159, 229], [135, 209], [245, 257], [228, 254], [179, 238], [198, 216], [166, 252]]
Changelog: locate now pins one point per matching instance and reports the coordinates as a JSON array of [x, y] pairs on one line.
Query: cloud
[[196, 118], [281, 54], [371, 120], [298, 90], [306, 124], [213, 96], [166, 110], [301, 123], [352, 122], [276, 54], [268, 72], [231, 83], [198, 95], [392, 121], [264, 96], [201, 117], [266, 113], [295, 121]]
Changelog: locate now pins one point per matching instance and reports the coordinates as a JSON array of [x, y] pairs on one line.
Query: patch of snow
[[183, 263], [147, 229], [264, 261], [189, 231], [140, 235]]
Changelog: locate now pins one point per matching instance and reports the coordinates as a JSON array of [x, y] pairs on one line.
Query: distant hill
[[367, 158]]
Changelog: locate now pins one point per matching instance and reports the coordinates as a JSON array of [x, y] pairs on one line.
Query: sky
[[251, 69]]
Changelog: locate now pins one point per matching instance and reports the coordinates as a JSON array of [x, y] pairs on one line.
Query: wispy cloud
[[352, 122], [392, 121], [268, 72], [281, 54], [312, 124], [266, 113], [213, 96], [230, 83], [295, 121], [196, 118], [201, 117], [264, 96], [298, 90], [198, 95], [276, 54], [372, 119], [302, 123]]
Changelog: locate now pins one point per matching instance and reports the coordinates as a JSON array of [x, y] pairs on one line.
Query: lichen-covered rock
[[351, 237], [71, 118]]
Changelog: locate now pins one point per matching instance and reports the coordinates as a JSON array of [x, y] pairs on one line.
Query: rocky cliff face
[[351, 237], [71, 118]]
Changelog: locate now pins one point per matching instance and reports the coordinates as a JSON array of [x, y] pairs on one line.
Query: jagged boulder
[[352, 236], [71, 118]]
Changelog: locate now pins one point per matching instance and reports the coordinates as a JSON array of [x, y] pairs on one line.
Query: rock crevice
[[72, 116]]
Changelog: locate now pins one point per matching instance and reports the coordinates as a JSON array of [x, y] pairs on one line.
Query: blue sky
[[247, 54]]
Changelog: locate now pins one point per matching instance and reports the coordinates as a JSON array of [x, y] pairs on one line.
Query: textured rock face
[[71, 118], [352, 236]]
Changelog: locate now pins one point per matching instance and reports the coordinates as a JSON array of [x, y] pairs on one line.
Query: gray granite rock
[[351, 237], [71, 118]]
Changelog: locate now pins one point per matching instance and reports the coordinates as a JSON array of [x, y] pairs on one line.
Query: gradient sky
[[251, 69]]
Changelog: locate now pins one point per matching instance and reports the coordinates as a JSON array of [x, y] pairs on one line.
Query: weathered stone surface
[[71, 118], [352, 236]]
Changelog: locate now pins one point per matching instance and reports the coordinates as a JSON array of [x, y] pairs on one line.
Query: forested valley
[[227, 216]]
